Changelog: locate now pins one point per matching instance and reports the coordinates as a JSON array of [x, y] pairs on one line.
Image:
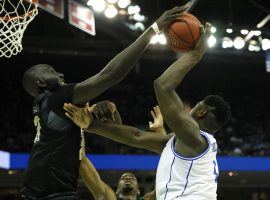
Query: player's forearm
[[121, 64], [174, 75], [115, 71], [119, 133], [91, 178]]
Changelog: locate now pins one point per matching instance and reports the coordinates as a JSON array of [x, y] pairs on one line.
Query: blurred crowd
[[247, 134]]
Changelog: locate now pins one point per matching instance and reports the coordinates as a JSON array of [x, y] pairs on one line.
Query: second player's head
[[128, 187], [212, 113], [41, 77]]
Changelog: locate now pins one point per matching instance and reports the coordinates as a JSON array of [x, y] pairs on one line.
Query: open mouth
[[62, 80], [128, 183]]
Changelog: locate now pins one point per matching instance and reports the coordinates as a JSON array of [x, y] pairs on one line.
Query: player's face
[[51, 78], [128, 183]]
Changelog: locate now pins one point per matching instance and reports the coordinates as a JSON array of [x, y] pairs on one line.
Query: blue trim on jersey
[[187, 178], [191, 158], [169, 178]]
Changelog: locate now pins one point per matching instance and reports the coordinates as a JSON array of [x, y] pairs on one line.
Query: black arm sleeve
[[58, 98]]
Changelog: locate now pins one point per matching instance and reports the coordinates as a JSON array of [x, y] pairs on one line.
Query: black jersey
[[54, 161]]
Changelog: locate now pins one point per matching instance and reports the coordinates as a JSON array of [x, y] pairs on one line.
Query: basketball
[[183, 33]]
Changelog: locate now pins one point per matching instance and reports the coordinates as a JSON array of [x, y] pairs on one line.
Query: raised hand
[[168, 16], [80, 116], [158, 124], [202, 45], [104, 111]]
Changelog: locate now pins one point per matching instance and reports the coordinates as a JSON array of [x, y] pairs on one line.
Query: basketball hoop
[[15, 15]]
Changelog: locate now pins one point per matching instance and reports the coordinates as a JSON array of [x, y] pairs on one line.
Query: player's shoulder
[[210, 138]]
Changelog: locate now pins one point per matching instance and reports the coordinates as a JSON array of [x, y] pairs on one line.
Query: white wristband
[[155, 28]]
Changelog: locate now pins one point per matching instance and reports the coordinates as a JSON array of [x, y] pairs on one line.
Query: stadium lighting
[[257, 33], [227, 42], [133, 9], [139, 26], [161, 39], [122, 12], [139, 17], [212, 41], [229, 30], [244, 32], [154, 39], [230, 173], [123, 3], [98, 5], [265, 44], [253, 46], [213, 29], [111, 11], [238, 43], [263, 22], [112, 1]]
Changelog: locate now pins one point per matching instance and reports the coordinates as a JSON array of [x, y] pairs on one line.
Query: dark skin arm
[[130, 136], [189, 140], [121, 133], [121, 65], [92, 180]]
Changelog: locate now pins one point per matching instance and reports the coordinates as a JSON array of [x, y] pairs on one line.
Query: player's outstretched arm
[[131, 136], [120, 133], [170, 104], [120, 65], [93, 182]]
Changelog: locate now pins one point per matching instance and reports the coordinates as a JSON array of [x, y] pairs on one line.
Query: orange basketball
[[183, 33]]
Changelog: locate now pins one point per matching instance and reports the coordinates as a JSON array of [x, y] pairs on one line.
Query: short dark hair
[[222, 111]]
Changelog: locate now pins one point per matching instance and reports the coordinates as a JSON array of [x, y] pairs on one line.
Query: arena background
[[239, 75]]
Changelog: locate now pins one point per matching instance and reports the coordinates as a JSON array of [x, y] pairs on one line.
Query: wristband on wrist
[[155, 28]]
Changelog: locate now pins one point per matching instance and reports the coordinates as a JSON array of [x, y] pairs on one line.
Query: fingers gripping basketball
[[183, 33]]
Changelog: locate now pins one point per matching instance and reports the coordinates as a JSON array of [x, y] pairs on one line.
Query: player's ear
[[202, 111], [41, 83]]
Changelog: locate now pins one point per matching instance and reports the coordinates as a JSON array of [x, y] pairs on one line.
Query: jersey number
[[216, 172], [38, 127]]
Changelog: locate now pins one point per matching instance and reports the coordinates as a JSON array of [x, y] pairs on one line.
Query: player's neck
[[127, 197], [203, 127]]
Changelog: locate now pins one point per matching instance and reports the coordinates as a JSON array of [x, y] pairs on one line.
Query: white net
[[15, 15]]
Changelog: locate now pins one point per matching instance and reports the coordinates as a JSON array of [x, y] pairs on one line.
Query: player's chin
[[128, 188], [129, 185], [55, 86]]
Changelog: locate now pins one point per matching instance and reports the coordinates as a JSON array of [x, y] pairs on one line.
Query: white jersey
[[181, 178]]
